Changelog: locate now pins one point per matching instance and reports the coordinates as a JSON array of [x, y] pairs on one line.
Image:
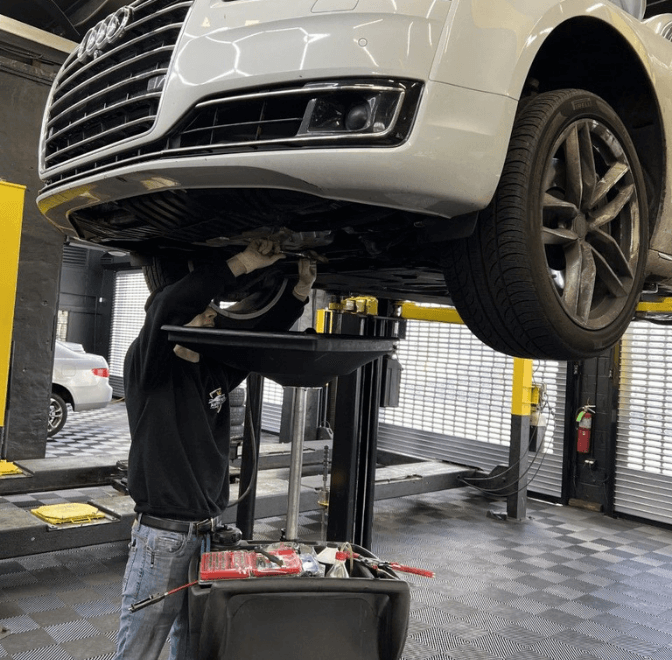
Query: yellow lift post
[[11, 211]]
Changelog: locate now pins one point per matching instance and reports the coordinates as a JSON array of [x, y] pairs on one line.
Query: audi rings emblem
[[104, 33]]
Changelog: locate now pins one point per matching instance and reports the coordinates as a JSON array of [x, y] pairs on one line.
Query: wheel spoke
[[579, 287], [607, 213], [570, 293], [574, 182], [608, 181], [614, 266], [559, 209], [589, 175], [551, 236], [616, 285], [588, 277]]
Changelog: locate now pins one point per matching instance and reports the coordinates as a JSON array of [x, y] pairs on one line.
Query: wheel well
[[588, 54], [63, 393]]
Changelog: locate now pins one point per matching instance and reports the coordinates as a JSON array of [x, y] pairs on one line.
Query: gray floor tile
[[567, 584]]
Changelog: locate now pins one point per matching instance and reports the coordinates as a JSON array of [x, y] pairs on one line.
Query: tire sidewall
[[583, 105]]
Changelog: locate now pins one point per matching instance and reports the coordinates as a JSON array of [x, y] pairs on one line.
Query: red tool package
[[237, 564]]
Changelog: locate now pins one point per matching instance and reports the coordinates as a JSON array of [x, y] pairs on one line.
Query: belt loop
[[139, 519]]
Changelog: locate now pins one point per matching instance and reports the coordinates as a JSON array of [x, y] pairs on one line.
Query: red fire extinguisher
[[585, 420]]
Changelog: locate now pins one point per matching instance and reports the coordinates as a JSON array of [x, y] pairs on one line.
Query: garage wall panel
[[643, 485], [128, 315], [456, 404]]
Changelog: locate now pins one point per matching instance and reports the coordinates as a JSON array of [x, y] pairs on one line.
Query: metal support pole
[[516, 500], [299, 404], [249, 467]]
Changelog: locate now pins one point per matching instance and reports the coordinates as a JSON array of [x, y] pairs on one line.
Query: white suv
[[510, 156]]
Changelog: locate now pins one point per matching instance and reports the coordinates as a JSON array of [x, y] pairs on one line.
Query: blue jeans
[[158, 562]]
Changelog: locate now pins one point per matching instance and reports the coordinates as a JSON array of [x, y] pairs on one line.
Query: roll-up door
[[128, 315], [644, 438], [456, 404], [271, 414]]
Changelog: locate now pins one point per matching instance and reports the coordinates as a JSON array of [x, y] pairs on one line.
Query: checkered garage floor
[[92, 432], [564, 585]]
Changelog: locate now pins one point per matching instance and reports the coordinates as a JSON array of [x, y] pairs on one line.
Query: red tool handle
[[395, 566], [410, 569]]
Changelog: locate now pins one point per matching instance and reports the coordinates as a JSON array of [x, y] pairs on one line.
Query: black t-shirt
[[178, 411]]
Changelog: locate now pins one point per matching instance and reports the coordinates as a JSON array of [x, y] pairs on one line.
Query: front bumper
[[175, 54], [449, 165]]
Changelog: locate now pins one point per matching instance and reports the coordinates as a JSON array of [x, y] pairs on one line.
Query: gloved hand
[[307, 275], [260, 253]]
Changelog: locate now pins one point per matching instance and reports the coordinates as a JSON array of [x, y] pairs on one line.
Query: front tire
[[58, 414], [555, 267]]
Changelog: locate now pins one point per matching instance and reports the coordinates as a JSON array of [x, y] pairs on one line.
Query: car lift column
[[353, 468], [11, 207], [353, 457]]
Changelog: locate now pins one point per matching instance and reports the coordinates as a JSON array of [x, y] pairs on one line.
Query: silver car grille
[[269, 119], [113, 94]]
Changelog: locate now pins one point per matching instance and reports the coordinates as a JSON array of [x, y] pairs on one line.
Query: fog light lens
[[358, 117], [351, 112]]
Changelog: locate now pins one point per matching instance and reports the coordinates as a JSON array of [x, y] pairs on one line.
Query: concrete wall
[[25, 85]]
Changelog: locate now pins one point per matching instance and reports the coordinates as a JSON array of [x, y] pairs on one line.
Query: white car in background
[[80, 379], [513, 157]]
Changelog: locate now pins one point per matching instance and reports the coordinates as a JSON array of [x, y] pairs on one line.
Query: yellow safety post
[[11, 211], [523, 390]]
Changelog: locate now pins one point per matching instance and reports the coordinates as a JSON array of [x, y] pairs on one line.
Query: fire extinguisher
[[585, 420]]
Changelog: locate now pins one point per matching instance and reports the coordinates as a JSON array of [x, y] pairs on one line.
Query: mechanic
[[179, 419]]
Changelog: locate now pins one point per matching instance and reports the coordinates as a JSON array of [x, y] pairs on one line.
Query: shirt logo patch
[[217, 399]]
